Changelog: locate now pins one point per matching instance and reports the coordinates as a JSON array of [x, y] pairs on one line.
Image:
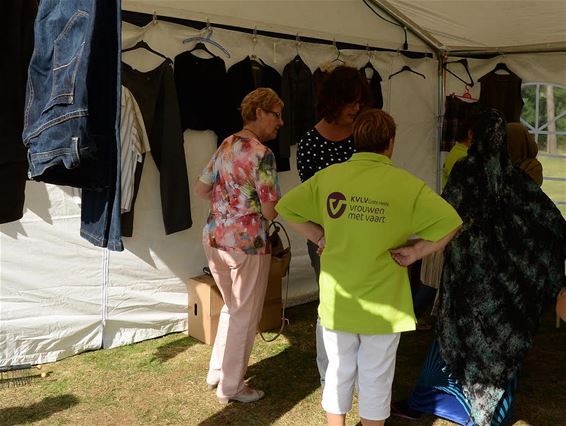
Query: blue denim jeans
[[71, 121], [100, 210]]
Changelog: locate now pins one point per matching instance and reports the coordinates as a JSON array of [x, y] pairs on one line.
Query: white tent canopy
[[502, 25], [59, 295]]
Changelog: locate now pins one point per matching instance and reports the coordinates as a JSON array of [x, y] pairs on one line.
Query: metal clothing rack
[[141, 19]]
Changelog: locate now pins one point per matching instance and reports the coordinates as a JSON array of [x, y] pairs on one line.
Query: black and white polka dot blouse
[[315, 153]]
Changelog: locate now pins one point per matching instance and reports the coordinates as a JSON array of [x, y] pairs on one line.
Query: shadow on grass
[[38, 411], [170, 350], [287, 378], [291, 376]]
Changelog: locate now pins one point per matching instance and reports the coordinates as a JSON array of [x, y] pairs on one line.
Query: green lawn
[[162, 382]]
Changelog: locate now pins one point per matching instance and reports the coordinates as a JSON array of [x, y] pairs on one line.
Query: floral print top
[[243, 174]]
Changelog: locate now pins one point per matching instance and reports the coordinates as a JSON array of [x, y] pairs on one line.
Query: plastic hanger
[[253, 57], [297, 57], [143, 45], [502, 66], [338, 54], [201, 46], [464, 62], [406, 68], [206, 39], [466, 95], [368, 64]]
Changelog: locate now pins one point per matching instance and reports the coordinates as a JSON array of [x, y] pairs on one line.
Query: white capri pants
[[369, 358]]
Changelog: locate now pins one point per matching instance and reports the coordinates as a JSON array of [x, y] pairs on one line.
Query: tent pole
[[507, 50], [440, 120], [410, 25]]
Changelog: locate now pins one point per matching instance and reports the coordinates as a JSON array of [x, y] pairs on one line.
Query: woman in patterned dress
[[241, 183]]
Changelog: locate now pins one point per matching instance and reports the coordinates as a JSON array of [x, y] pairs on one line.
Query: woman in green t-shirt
[[364, 208]]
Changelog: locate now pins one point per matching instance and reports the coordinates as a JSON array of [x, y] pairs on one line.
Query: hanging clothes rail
[[141, 19]]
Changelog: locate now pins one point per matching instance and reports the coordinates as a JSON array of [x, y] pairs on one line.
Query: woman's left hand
[[321, 244], [404, 256]]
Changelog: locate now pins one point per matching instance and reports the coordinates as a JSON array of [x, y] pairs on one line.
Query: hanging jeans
[[71, 121]]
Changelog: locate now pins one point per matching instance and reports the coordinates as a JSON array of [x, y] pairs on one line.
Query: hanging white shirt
[[134, 143]]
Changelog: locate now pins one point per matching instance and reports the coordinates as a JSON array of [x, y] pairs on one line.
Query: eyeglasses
[[276, 114]]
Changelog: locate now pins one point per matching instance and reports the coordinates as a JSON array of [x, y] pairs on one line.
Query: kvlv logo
[[336, 205]]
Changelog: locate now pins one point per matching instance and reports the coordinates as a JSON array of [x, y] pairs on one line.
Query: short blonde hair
[[373, 129], [262, 97]]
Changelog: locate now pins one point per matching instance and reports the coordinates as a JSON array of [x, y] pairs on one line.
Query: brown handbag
[[279, 253]]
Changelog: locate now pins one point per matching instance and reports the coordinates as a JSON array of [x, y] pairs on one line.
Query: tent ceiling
[[489, 25], [457, 25], [347, 21]]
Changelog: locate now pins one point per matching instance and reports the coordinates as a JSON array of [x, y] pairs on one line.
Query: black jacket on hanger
[[243, 77], [502, 92], [201, 91], [375, 87], [298, 96], [156, 96]]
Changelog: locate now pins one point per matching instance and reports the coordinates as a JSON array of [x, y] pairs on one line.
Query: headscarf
[[523, 151], [506, 260]]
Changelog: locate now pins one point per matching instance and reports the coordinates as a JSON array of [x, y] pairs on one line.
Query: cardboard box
[[205, 303]]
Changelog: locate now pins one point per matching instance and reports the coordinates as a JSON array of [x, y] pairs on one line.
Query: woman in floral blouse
[[241, 183]]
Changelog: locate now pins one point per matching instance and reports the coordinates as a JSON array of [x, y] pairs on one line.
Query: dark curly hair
[[339, 87]]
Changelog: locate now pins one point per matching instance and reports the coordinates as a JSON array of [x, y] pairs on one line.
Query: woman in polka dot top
[[343, 93]]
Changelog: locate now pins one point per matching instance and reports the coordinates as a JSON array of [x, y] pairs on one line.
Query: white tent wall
[[50, 293], [59, 295]]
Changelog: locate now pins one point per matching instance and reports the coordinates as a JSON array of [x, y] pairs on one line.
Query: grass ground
[[162, 382]]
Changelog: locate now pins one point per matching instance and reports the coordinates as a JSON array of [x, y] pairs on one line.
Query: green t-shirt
[[459, 150], [367, 207]]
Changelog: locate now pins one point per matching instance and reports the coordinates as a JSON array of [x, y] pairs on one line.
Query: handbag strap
[[277, 226]]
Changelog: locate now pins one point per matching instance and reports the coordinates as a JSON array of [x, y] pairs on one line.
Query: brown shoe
[[246, 395]]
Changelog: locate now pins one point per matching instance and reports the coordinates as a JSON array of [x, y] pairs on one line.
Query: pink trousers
[[242, 280]]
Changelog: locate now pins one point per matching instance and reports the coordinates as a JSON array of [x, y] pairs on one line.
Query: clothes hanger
[[201, 46], [464, 62], [297, 57], [502, 66], [143, 45], [253, 57], [368, 65], [206, 39], [407, 68], [338, 54], [467, 96]]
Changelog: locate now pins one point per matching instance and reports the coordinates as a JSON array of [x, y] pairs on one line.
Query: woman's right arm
[[203, 190], [203, 184], [268, 210]]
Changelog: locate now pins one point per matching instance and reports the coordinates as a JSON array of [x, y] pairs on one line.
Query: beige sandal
[[246, 395]]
